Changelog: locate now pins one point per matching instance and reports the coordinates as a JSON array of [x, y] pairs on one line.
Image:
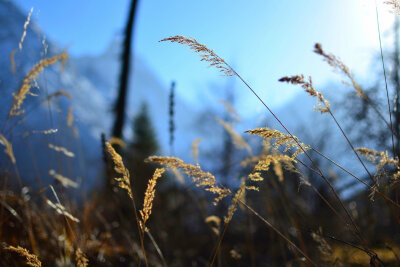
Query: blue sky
[[263, 40]]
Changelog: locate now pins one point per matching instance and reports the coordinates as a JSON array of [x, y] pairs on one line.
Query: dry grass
[[60, 209], [24, 90], [206, 54], [195, 149], [124, 181], [70, 117], [24, 256], [394, 5], [8, 150], [278, 222], [199, 177], [80, 258], [287, 141], [238, 140], [232, 208], [338, 65], [149, 197], [62, 150], [26, 24], [323, 104], [66, 182]]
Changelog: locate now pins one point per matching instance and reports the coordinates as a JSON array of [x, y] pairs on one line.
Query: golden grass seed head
[[149, 197], [290, 142], [119, 167], [27, 82], [9, 149], [233, 207], [199, 177], [205, 53], [80, 258], [27, 258]]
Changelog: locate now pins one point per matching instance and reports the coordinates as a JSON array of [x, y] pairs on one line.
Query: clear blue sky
[[264, 40]]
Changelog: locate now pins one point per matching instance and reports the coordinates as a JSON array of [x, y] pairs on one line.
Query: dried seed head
[[60, 209], [394, 5], [20, 96], [23, 256], [264, 164], [281, 139], [59, 93], [49, 131], [205, 53], [62, 150], [119, 167], [235, 254], [214, 222], [233, 207], [323, 246], [149, 197], [26, 24], [372, 156], [199, 177], [117, 141], [195, 149], [80, 258], [66, 182], [234, 114], [8, 150], [237, 139], [323, 105], [70, 117], [338, 65]]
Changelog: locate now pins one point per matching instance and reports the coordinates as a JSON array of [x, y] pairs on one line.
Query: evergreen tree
[[144, 144]]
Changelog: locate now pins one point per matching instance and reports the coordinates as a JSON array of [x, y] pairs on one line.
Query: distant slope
[[92, 83]]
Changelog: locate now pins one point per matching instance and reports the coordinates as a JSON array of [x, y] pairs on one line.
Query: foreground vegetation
[[278, 206]]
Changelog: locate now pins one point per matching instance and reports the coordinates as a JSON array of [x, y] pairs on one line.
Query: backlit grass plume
[[49, 131], [205, 53], [323, 105], [381, 159], [281, 139], [8, 150], [338, 65], [25, 258], [26, 24], [233, 207], [149, 197], [117, 141], [395, 5], [119, 167], [237, 139], [232, 112], [62, 150], [66, 182], [265, 163], [80, 258], [70, 117], [20, 96], [60, 209], [199, 177], [373, 156], [195, 149]]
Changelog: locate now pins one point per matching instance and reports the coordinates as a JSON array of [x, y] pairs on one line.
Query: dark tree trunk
[[396, 81], [124, 75]]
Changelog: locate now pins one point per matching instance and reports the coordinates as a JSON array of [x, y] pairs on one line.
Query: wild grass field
[[281, 206]]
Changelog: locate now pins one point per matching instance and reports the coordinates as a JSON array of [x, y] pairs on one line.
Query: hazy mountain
[[92, 83]]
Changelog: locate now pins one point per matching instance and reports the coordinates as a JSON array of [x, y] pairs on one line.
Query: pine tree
[[144, 144]]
